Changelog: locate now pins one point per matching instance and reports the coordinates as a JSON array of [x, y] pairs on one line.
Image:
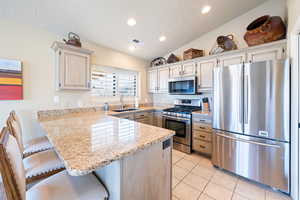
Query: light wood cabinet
[[232, 59], [72, 67], [158, 80], [152, 81], [157, 119], [189, 69], [163, 78], [270, 53], [175, 71], [205, 74]]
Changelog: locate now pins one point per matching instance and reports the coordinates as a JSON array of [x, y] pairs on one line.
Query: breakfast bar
[[133, 160]]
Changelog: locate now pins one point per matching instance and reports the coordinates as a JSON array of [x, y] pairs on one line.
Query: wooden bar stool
[[57, 187], [38, 165], [33, 146]]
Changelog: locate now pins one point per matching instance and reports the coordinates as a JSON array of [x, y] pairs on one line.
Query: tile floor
[[194, 178]]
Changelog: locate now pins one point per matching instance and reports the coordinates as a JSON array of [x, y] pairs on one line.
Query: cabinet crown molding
[[60, 45]]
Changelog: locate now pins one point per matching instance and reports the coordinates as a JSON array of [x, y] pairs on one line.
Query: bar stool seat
[[37, 145], [42, 165], [62, 186], [31, 147]]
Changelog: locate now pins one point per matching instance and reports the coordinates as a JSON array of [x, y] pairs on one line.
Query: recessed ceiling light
[[205, 9], [131, 22], [162, 38], [131, 48]]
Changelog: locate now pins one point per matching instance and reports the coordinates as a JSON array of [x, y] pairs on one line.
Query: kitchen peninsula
[[132, 159]]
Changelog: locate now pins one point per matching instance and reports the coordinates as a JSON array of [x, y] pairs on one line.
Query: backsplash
[[166, 99]]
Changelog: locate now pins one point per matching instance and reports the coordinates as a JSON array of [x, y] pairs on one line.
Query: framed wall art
[[11, 80]]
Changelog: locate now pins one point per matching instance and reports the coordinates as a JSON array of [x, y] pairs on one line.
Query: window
[[109, 81]]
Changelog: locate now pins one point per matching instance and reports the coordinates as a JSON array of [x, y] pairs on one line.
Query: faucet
[[121, 102]]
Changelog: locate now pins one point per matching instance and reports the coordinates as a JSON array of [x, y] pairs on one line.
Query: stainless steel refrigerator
[[251, 121]]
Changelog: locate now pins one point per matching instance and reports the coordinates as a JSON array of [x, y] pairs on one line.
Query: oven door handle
[[176, 118]]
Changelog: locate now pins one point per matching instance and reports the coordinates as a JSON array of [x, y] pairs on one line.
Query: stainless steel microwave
[[183, 85]]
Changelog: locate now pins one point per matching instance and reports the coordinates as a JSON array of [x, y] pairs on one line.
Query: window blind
[[114, 83]]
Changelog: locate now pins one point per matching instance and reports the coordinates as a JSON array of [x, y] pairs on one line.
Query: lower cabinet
[[202, 136], [157, 119]]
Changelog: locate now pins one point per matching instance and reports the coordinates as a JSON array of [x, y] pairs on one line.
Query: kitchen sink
[[125, 110]]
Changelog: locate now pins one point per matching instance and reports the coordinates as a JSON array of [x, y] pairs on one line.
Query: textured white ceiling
[[105, 21]]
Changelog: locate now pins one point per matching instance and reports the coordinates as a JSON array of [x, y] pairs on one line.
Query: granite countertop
[[90, 140]]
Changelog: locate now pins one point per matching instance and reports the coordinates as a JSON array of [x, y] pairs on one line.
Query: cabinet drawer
[[202, 127], [202, 146], [202, 135], [142, 115]]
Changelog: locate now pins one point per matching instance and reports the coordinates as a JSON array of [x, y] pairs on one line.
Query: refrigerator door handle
[[246, 97], [248, 141]]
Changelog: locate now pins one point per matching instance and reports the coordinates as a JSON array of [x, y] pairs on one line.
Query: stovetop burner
[[182, 109]]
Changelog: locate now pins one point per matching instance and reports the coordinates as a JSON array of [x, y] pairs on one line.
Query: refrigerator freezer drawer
[[264, 162]]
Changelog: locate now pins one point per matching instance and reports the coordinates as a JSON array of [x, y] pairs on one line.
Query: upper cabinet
[[163, 78], [72, 67], [268, 53], [158, 80], [175, 71], [185, 69], [232, 59], [189, 69], [205, 74], [203, 67]]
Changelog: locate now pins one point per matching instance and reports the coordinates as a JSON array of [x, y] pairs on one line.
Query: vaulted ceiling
[[105, 21]]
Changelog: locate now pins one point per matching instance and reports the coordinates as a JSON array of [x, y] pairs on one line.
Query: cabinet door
[[189, 69], [232, 59], [205, 74], [74, 70], [175, 71], [158, 119], [152, 81], [163, 78], [268, 53]]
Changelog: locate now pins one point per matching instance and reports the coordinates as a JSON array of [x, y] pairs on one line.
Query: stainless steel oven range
[[179, 119]]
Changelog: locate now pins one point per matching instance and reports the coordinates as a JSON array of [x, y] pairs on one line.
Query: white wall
[[237, 27], [32, 46]]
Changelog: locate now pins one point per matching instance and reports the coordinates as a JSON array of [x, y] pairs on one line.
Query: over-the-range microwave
[[183, 85]]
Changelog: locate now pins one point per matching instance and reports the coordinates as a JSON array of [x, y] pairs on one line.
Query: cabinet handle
[[202, 136], [202, 146]]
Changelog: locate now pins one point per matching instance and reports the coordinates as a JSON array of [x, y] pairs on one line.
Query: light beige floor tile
[[224, 179], [271, 195], [218, 192], [205, 197], [195, 181], [206, 162], [195, 158], [250, 190], [204, 172], [185, 192], [185, 164], [179, 173], [175, 159], [175, 181], [236, 196], [178, 153]]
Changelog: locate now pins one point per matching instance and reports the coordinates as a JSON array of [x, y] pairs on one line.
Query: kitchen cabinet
[[270, 53], [202, 134], [144, 117], [232, 59], [72, 66], [175, 71], [205, 74], [158, 80], [157, 119], [129, 116], [189, 69], [152, 81], [163, 78]]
